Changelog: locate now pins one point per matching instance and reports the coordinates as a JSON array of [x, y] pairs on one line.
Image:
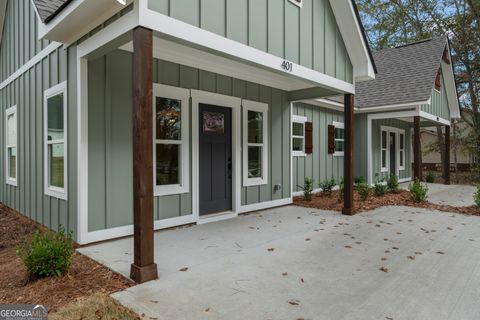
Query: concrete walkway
[[297, 263], [452, 195]]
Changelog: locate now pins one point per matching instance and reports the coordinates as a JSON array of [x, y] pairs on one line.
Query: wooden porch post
[[348, 158], [417, 149], [143, 268], [447, 155]]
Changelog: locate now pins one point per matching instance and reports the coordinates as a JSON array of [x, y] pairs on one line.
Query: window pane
[[168, 164], [254, 162], [12, 129], [384, 158], [255, 127], [168, 119], [402, 142], [55, 117], [401, 158], [213, 122], [12, 163], [339, 133], [298, 129], [384, 139], [297, 144], [56, 159], [339, 145]]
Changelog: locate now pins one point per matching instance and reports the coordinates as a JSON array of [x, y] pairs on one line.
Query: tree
[[397, 22]]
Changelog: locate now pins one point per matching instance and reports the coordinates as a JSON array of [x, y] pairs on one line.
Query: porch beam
[[417, 149], [309, 93], [144, 268], [348, 156], [447, 155]]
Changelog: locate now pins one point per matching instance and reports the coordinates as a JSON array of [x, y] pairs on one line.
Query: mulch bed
[[402, 198], [85, 277]]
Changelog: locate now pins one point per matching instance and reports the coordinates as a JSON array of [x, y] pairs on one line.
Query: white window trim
[[401, 152], [8, 180], [52, 191], [302, 120], [169, 92], [387, 137], [397, 132], [263, 108], [298, 3], [339, 125]]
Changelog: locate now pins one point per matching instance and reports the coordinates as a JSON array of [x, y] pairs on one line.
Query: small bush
[[392, 184], [363, 190], [360, 180], [380, 188], [47, 254], [341, 186], [327, 186], [476, 196], [430, 177], [418, 191], [307, 189]]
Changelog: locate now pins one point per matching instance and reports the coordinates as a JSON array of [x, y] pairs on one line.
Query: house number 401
[[287, 66]]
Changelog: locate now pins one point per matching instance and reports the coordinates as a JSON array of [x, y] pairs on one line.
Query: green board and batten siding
[[110, 137], [319, 165], [439, 104], [308, 36]]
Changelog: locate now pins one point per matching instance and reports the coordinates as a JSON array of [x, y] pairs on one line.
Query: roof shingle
[[48, 9]]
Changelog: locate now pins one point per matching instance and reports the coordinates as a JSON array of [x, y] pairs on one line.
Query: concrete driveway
[[297, 263], [451, 195]]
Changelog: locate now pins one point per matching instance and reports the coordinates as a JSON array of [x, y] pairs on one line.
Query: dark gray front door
[[215, 155], [393, 153]]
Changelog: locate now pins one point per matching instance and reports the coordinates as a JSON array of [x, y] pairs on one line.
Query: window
[[298, 136], [339, 139], [401, 150], [11, 145], [171, 150], [384, 150], [55, 121], [255, 143]]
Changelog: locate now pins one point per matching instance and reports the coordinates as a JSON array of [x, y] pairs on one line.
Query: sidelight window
[[384, 151], [171, 150], [255, 146], [11, 158]]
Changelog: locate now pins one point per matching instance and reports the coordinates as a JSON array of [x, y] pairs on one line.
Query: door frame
[[397, 132], [203, 97]]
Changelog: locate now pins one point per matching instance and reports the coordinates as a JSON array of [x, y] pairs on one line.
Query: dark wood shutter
[[331, 139], [438, 82], [308, 138]]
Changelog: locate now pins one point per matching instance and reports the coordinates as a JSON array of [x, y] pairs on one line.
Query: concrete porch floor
[[326, 263], [452, 195]]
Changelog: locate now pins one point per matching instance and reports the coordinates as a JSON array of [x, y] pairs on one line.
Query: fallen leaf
[[358, 242], [294, 302], [449, 228], [383, 269], [271, 249], [301, 279], [207, 310], [471, 240], [183, 269], [394, 248], [348, 247], [440, 252], [411, 257], [418, 253], [285, 274], [153, 301], [308, 239], [384, 259], [387, 251]]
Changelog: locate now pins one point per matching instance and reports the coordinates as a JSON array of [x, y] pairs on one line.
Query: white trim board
[[31, 63], [9, 181]]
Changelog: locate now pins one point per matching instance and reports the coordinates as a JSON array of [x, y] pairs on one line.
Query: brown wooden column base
[[143, 274], [348, 211]]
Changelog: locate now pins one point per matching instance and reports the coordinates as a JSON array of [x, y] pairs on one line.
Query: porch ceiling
[[208, 60]]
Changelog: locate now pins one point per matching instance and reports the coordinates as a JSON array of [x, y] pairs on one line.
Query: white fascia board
[[186, 33], [3, 9], [351, 32], [450, 87], [409, 105]]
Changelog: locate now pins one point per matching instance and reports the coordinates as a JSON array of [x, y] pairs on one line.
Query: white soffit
[[351, 32], [178, 53], [3, 8]]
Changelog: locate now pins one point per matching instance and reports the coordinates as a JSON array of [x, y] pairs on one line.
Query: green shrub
[[47, 254], [363, 190], [341, 186], [418, 191], [476, 196], [392, 183], [307, 189], [380, 188], [327, 186], [430, 177], [360, 180]]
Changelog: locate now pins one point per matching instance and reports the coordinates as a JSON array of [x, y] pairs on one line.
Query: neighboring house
[[125, 118], [414, 88]]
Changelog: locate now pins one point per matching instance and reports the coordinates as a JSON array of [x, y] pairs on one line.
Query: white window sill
[[339, 154], [299, 154], [169, 190], [12, 182], [401, 168], [56, 193], [250, 182], [384, 170]]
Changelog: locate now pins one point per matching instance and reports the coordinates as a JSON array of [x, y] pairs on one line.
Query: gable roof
[[48, 9], [3, 8], [406, 74]]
